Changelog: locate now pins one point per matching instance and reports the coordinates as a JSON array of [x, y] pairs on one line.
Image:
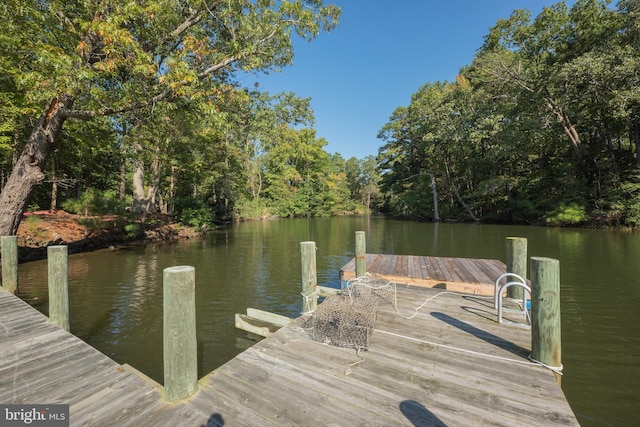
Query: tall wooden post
[[361, 262], [180, 348], [309, 277], [545, 312], [58, 278], [517, 263], [9, 253]]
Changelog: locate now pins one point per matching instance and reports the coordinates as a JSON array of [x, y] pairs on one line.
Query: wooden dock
[[451, 364], [469, 275]]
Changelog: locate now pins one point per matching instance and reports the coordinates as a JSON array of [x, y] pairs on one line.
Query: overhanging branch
[[88, 114]]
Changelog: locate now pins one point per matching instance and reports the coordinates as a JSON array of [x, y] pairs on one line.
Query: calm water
[[116, 296]]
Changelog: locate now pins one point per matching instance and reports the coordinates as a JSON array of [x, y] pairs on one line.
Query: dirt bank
[[86, 233]]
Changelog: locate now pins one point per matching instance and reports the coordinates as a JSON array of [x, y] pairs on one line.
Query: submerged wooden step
[[259, 322]]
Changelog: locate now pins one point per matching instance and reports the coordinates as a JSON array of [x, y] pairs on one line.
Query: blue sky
[[380, 54]]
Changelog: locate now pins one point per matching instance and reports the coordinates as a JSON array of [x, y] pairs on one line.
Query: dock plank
[[372, 261], [448, 363], [450, 386], [475, 276]]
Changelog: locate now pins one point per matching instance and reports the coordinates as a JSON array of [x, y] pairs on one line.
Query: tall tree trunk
[[635, 138], [254, 172], [606, 136], [28, 169], [457, 194], [139, 198], [568, 127], [153, 194], [434, 193], [172, 190], [54, 184], [122, 189], [463, 204]]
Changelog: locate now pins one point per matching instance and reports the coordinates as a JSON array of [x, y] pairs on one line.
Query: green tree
[[433, 144], [368, 182], [491, 143], [300, 178], [521, 58], [580, 65], [362, 179], [82, 60]]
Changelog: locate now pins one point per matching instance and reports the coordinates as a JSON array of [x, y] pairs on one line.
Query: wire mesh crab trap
[[348, 318]]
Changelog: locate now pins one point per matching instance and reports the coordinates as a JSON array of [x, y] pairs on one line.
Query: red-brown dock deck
[[469, 275]]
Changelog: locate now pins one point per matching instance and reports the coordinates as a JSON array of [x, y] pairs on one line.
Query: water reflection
[[116, 296]]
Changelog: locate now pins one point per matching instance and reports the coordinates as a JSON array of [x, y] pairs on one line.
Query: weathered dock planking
[[451, 364], [473, 276], [40, 363]]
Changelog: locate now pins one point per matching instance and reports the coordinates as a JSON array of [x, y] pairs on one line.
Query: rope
[[363, 281], [347, 369], [554, 369], [416, 310], [532, 362], [306, 299], [450, 347]]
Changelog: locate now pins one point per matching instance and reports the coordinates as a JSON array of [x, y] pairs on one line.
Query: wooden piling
[[180, 349], [545, 313], [9, 253], [517, 263], [361, 265], [309, 277], [58, 280]]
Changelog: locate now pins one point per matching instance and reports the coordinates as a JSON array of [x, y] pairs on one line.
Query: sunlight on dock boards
[[451, 363], [473, 276]]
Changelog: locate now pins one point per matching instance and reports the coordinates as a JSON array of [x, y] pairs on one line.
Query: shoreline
[[79, 233]]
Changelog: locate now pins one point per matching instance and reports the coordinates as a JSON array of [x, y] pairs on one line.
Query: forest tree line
[[543, 127], [111, 106], [137, 105]]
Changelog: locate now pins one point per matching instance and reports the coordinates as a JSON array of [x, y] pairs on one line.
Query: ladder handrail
[[502, 276], [525, 311]]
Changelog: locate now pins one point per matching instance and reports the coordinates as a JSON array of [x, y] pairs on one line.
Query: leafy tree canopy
[[542, 127], [84, 59], [119, 55]]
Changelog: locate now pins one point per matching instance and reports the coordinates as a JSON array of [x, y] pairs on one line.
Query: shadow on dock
[[483, 335], [418, 415], [215, 420]]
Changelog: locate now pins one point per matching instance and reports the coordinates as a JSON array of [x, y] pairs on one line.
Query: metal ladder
[[525, 304]]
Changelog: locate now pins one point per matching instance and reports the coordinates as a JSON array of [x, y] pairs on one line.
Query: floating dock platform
[[469, 275]]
